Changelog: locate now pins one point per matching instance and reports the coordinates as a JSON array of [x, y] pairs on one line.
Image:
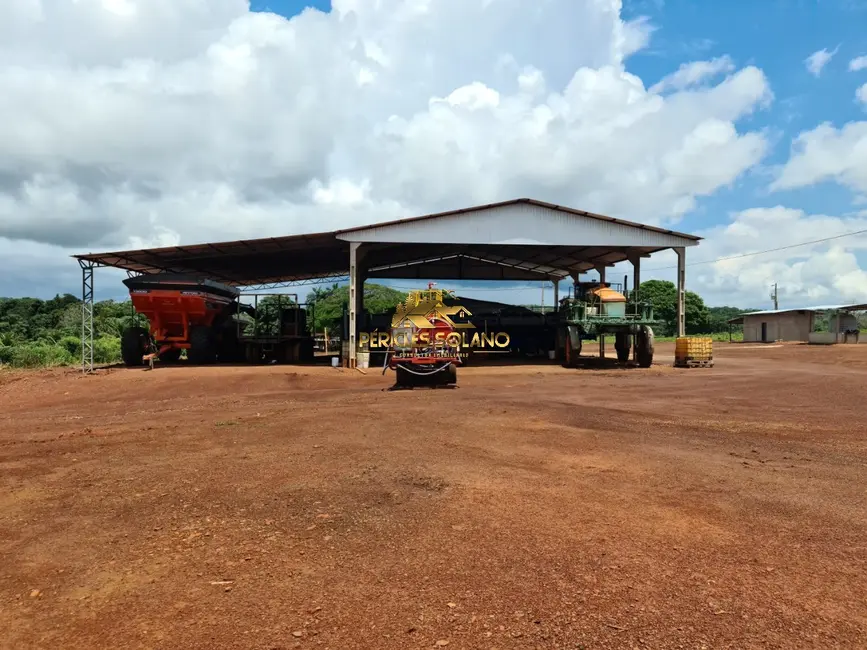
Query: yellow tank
[[693, 348], [606, 294]]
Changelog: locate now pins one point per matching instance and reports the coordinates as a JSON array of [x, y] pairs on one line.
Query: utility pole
[[543, 297], [774, 296]]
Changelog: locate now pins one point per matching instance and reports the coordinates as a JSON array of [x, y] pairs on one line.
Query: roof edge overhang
[[521, 201]]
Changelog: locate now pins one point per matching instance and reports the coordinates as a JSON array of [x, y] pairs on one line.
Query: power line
[[770, 250]]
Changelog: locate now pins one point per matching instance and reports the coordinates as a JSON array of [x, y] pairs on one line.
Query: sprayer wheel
[[572, 353], [622, 344], [644, 349]]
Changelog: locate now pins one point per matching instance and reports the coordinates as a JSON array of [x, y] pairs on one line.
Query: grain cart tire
[[622, 345], [203, 348], [230, 349], [644, 349], [171, 356], [134, 344]]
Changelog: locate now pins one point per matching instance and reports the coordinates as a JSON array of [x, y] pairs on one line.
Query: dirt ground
[[532, 507]]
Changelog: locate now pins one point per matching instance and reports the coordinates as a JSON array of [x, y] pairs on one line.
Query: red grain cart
[[185, 313]]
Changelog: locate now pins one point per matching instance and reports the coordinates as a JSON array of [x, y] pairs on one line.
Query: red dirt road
[[533, 507]]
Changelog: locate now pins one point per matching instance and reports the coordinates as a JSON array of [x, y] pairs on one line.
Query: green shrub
[[39, 355], [71, 344], [106, 349]]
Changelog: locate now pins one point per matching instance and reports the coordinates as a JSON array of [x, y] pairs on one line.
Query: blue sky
[[298, 134], [776, 36], [289, 8], [773, 35]]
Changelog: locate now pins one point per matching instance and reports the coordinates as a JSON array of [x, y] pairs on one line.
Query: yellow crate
[[693, 348]]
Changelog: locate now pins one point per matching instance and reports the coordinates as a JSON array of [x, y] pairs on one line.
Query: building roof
[[856, 307], [522, 239], [513, 202]]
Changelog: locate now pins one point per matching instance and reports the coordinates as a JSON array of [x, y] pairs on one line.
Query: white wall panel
[[518, 224]]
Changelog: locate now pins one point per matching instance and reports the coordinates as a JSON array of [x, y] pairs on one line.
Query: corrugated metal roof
[[522, 239], [524, 201], [855, 307]]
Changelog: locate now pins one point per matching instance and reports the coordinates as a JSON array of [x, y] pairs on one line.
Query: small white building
[[783, 325], [797, 325]]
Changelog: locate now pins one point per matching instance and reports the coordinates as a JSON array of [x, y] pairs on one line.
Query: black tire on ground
[[572, 354], [171, 356], [202, 345], [622, 345], [644, 347], [403, 377], [134, 343], [451, 375], [230, 349]]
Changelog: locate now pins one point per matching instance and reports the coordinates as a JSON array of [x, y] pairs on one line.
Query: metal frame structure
[[297, 283], [521, 239], [87, 314]]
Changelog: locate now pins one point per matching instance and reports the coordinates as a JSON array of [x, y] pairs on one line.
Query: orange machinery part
[[172, 313]]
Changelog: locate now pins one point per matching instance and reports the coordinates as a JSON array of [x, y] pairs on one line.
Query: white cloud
[[815, 274], [690, 74], [807, 275], [141, 122], [858, 63], [818, 60], [827, 153], [861, 95]]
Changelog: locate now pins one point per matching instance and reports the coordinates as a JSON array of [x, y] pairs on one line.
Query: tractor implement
[[209, 321], [596, 310], [422, 353], [185, 313]]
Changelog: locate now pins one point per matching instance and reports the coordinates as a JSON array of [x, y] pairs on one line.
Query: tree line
[[36, 332]]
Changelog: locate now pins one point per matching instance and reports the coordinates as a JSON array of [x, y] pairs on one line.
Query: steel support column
[[636, 284], [356, 297], [556, 282], [86, 315], [601, 270], [681, 290]]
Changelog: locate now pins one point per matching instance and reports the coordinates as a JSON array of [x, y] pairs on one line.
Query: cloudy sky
[[131, 123]]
